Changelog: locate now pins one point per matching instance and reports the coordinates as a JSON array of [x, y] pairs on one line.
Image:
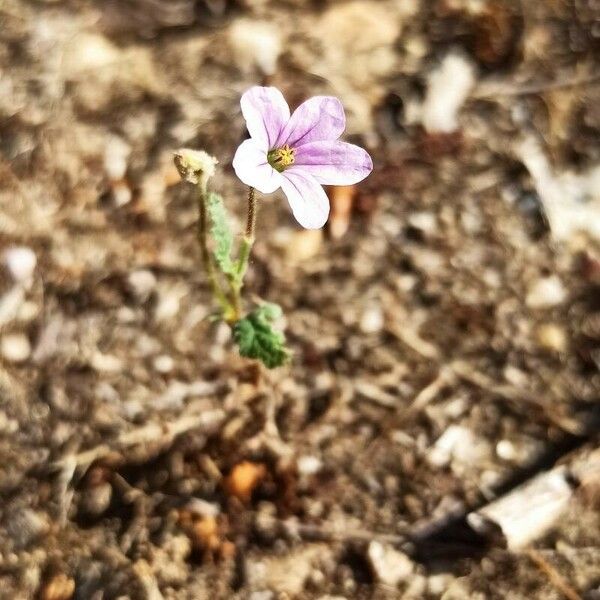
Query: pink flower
[[297, 153]]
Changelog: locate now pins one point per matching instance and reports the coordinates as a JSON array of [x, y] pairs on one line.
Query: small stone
[[448, 87], [552, 337], [163, 363], [20, 262], [304, 245], [116, 153], [546, 292], [96, 499], [309, 465], [372, 320], [121, 193], [28, 311], [460, 445], [262, 595], [26, 526], [59, 587], [169, 302], [15, 347], [390, 566], [106, 363], [10, 304], [141, 283], [255, 44], [438, 584], [424, 221]]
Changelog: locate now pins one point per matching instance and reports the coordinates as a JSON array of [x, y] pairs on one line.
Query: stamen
[[280, 158]]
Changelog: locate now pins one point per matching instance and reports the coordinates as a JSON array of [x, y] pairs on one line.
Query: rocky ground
[[436, 433]]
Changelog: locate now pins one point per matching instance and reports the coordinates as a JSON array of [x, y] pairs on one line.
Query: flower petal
[[334, 163], [319, 118], [251, 166], [307, 198], [266, 113]]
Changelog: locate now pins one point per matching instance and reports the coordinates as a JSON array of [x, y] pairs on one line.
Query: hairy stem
[[248, 239]]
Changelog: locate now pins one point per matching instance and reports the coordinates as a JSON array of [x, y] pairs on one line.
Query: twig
[[141, 504], [410, 336], [326, 531], [515, 395], [427, 394], [499, 88], [554, 576], [153, 433]]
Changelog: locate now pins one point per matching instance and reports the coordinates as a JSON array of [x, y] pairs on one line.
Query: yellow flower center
[[281, 158]]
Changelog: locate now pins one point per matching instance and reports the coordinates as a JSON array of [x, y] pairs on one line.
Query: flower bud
[[195, 166]]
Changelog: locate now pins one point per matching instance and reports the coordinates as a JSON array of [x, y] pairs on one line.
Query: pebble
[[448, 87], [116, 153], [424, 221], [163, 363], [141, 284], [15, 347], [372, 320], [20, 262], [169, 302], [106, 363], [10, 304], [255, 44], [439, 583], [546, 292], [552, 337], [459, 444], [60, 587], [96, 499], [26, 526], [390, 566], [309, 465]]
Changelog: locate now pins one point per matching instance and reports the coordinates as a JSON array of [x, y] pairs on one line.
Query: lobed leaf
[[256, 337], [221, 234]]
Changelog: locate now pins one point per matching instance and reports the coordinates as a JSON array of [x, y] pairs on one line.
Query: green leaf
[[256, 337], [221, 234]]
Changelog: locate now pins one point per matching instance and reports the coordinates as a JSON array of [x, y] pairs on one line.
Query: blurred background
[[436, 433]]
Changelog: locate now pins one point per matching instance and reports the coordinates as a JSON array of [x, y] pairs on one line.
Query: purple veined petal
[[307, 198], [334, 163], [318, 119], [251, 166], [266, 113]]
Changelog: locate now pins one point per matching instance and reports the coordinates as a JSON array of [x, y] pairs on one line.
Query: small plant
[[298, 153]]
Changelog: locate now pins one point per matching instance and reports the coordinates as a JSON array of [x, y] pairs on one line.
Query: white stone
[[546, 292], [21, 262], [571, 200], [458, 444], [10, 304], [163, 363], [255, 44], [309, 465], [372, 320], [116, 153], [391, 566], [15, 347], [89, 52], [106, 363], [425, 221], [141, 283], [448, 87], [169, 302]]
